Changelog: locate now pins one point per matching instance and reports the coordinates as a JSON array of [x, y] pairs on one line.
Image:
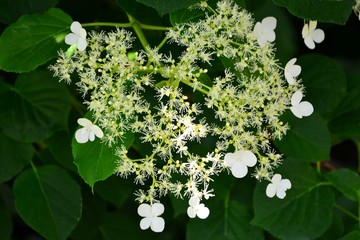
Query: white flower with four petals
[[77, 37], [300, 109], [278, 187], [312, 35], [88, 131], [239, 162], [150, 214], [264, 31], [197, 209], [292, 71]]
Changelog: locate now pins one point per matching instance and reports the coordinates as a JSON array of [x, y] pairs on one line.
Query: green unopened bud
[[131, 56], [71, 50]]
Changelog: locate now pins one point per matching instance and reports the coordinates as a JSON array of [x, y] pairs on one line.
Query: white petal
[[82, 33], [81, 44], [295, 70], [296, 112], [309, 42], [76, 27], [91, 136], [285, 184], [239, 170], [269, 23], [289, 64], [280, 193], [157, 224], [261, 41], [276, 179], [318, 35], [203, 212], [82, 135], [270, 190], [97, 131], [144, 210], [157, 209], [191, 212], [257, 29], [270, 36], [229, 159], [312, 26], [248, 158], [305, 108], [71, 39], [305, 31], [289, 77], [145, 223], [194, 201], [296, 98], [84, 122]]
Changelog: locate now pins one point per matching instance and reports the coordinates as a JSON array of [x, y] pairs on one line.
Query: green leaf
[[226, 221], [59, 145], [11, 10], [305, 212], [115, 190], [33, 40], [88, 227], [35, 107], [322, 10], [348, 130], [350, 101], [355, 235], [325, 82], [48, 200], [142, 13], [346, 181], [95, 160], [308, 139], [14, 157], [6, 225], [185, 15], [168, 6], [126, 225]]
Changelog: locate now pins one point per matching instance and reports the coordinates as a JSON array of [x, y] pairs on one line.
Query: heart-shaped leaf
[[33, 40], [96, 161], [48, 200]]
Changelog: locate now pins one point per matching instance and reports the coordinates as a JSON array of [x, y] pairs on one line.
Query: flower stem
[[136, 26], [125, 25]]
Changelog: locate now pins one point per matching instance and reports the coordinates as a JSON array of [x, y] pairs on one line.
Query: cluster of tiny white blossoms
[[143, 92]]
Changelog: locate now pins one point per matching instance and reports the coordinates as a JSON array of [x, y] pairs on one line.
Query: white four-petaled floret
[[264, 31], [197, 209], [292, 71], [239, 162], [300, 108], [278, 187], [77, 36], [150, 214], [312, 35], [88, 131]]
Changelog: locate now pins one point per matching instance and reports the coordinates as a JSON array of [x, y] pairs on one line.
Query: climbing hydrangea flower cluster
[[236, 116]]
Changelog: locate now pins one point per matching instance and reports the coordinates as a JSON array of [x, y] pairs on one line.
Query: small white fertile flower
[[278, 187], [88, 132], [300, 109], [150, 214], [264, 31], [292, 71], [197, 209], [312, 35], [78, 36], [239, 162]]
